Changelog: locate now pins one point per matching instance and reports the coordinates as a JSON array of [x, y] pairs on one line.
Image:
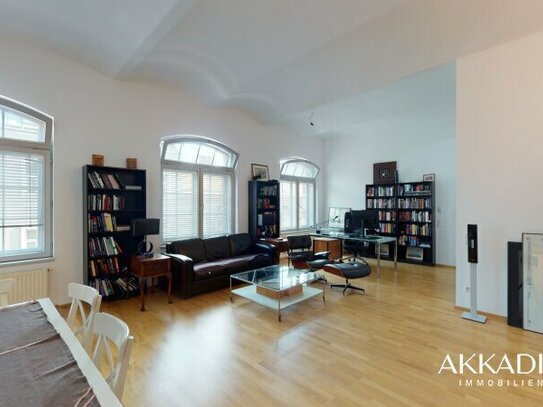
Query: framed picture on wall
[[260, 172], [429, 177]]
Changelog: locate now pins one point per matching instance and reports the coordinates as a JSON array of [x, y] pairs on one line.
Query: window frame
[[200, 169], [297, 180], [45, 149]]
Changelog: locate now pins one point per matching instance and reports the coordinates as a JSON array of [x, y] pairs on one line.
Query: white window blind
[[179, 204], [288, 205], [217, 197], [22, 203], [306, 210], [298, 201], [25, 182], [198, 188]]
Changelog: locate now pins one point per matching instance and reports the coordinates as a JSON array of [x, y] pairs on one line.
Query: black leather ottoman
[[349, 271]]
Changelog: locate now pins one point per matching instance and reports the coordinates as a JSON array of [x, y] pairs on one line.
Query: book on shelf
[[133, 187], [105, 180], [104, 202]]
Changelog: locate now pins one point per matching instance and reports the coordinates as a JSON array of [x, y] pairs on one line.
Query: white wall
[[421, 142], [96, 114], [500, 155]]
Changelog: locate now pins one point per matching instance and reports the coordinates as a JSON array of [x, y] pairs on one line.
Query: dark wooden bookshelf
[[108, 205], [411, 215], [264, 209]]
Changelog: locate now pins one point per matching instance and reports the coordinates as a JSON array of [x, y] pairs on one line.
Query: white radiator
[[29, 285]]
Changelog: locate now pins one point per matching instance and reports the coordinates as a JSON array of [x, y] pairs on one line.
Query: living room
[[451, 89]]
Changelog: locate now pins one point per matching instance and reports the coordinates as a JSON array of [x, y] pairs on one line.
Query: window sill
[[16, 263]]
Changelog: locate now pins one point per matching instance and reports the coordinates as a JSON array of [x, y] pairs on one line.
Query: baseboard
[[486, 314], [446, 266]]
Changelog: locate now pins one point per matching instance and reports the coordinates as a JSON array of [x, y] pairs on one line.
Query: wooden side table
[[147, 267], [325, 244]]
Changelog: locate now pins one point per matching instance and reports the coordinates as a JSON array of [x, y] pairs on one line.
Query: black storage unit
[[514, 284], [264, 209], [112, 197], [407, 212]]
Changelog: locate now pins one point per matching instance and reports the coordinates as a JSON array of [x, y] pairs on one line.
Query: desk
[[145, 267], [328, 244], [48, 362], [377, 240]]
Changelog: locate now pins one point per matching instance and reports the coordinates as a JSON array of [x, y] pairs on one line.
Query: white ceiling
[[280, 60]]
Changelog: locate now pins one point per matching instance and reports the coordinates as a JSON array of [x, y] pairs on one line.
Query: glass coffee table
[[277, 287]]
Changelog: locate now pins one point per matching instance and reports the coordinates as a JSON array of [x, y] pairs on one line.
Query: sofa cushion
[[217, 247], [208, 269], [236, 264], [193, 248], [261, 260], [240, 243]]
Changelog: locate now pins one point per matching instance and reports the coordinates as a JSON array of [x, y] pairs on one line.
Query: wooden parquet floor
[[382, 348]]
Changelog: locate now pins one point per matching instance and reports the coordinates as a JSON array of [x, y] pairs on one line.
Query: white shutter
[[22, 203], [217, 200], [288, 205], [179, 204]]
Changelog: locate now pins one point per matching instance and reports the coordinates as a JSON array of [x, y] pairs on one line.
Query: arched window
[[197, 187], [298, 193], [25, 182]]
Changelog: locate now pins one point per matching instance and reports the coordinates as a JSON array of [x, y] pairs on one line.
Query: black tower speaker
[[472, 243], [514, 284]]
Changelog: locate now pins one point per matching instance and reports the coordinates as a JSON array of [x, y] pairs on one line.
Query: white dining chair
[[6, 285], [79, 294], [109, 329]]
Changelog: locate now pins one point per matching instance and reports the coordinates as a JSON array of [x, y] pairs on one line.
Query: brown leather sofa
[[203, 265]]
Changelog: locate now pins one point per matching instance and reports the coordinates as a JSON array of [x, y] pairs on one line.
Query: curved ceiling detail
[[278, 60]]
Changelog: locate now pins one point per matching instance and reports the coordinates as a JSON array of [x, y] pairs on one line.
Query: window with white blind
[[197, 188], [298, 197], [25, 183]]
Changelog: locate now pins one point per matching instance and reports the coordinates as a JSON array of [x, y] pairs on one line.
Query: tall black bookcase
[[406, 211], [112, 197], [264, 209]]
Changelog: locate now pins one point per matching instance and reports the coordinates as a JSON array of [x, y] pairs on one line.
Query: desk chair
[[357, 248]]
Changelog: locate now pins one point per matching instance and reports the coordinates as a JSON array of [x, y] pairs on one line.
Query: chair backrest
[[109, 329], [80, 293], [6, 285], [299, 242], [355, 246]]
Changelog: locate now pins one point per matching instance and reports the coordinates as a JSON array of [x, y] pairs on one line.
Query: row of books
[[415, 216], [103, 222], [265, 203], [384, 203], [103, 246], [118, 287], [387, 228], [102, 202], [389, 216], [421, 230], [105, 180], [412, 241], [414, 189], [269, 190], [101, 267], [415, 203], [380, 191]]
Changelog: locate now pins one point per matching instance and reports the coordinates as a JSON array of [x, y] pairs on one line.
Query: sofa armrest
[[182, 273], [267, 248]]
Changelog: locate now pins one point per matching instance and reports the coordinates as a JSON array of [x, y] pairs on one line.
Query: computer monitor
[[336, 216], [370, 221]]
